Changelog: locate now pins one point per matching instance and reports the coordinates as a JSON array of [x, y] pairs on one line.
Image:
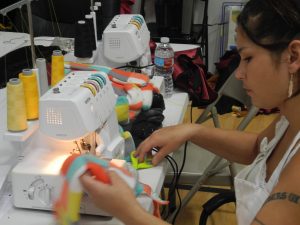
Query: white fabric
[[251, 188]]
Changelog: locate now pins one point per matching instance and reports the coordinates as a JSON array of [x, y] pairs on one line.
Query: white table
[[9, 215]]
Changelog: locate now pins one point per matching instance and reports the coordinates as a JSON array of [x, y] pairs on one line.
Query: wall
[[214, 32], [214, 17]]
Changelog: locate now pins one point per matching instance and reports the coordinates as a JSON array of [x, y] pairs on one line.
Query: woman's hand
[[166, 139], [116, 198]]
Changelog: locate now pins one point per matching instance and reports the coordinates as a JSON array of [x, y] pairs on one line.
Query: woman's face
[[264, 79]]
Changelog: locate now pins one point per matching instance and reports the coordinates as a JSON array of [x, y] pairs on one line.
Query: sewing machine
[[76, 117], [126, 39]]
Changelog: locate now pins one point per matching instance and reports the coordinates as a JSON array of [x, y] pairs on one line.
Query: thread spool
[[99, 21], [93, 14], [82, 47], [109, 10], [29, 80], [43, 77], [90, 22], [16, 109], [98, 4], [57, 67]]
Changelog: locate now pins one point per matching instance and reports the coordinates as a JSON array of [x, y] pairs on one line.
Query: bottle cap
[[41, 60], [27, 71], [14, 81], [57, 53], [88, 16], [164, 40], [98, 4]]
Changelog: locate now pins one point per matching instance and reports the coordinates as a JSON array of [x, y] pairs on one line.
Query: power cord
[[134, 67], [174, 181], [180, 171], [173, 188], [178, 177]]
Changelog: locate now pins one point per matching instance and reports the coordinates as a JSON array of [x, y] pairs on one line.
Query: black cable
[[134, 67], [179, 174], [174, 168], [214, 203], [180, 171], [173, 186], [173, 164], [174, 181], [179, 206]]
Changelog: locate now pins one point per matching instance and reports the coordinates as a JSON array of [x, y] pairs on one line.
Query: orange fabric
[[99, 172], [67, 163]]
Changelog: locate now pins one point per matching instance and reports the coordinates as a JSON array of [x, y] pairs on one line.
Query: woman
[[268, 41]]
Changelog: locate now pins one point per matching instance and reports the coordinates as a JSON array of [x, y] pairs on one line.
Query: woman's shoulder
[[289, 179], [285, 197], [279, 122]]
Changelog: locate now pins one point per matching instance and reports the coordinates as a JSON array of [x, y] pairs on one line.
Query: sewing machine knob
[[45, 195], [56, 90], [30, 192], [34, 186]]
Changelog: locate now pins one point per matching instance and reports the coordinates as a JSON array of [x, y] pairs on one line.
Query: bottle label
[[166, 63]]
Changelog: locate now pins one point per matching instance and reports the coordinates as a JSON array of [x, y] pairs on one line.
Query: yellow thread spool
[[57, 67], [16, 110], [31, 93]]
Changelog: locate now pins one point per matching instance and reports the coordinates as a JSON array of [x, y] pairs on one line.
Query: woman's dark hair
[[271, 24]]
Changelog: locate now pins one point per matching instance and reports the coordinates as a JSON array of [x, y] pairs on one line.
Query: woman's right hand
[[166, 140], [117, 198]]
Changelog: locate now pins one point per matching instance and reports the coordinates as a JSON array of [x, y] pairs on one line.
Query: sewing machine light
[[53, 165]]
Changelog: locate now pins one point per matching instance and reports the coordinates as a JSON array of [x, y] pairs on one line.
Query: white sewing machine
[[76, 116], [126, 38]]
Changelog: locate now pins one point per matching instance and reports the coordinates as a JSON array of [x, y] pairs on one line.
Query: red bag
[[190, 75]]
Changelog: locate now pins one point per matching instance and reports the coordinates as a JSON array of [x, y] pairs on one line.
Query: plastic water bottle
[[163, 64]]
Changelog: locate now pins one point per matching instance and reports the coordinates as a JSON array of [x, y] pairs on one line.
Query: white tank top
[[251, 188]]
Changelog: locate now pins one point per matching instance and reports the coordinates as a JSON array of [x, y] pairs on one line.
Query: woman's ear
[[294, 59]]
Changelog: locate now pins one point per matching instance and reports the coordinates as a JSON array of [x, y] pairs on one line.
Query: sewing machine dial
[[40, 191]]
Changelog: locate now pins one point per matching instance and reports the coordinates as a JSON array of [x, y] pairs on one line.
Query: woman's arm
[[234, 145]]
